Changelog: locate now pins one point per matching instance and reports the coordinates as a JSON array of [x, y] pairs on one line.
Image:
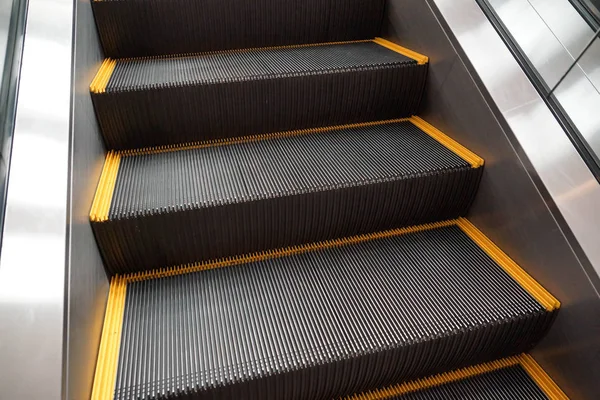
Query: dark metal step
[[134, 28], [518, 377], [320, 321], [164, 207], [165, 101]]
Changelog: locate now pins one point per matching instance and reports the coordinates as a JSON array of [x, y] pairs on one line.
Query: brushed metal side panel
[[33, 263], [88, 284], [511, 206]]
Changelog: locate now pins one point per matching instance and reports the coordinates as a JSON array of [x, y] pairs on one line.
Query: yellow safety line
[[106, 187], [450, 143], [105, 376], [542, 379], [249, 138], [103, 75], [419, 58], [512, 268], [270, 254]]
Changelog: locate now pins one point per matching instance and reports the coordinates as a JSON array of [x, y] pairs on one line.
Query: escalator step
[[137, 28], [518, 377], [319, 321], [164, 101], [169, 206]]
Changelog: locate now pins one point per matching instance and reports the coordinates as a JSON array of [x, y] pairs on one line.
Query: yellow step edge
[[238, 260], [419, 58], [450, 143], [542, 379], [106, 187], [103, 75], [105, 376], [511, 267], [544, 382]]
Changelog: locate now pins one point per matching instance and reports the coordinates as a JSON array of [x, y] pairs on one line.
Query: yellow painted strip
[[98, 77], [542, 379], [419, 58], [512, 268], [231, 261], [106, 188], [450, 143], [103, 75], [436, 380], [250, 138], [108, 357]]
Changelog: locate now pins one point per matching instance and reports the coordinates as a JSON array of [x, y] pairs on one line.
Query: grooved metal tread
[[326, 321], [238, 66], [252, 194], [282, 166], [133, 28], [158, 101]]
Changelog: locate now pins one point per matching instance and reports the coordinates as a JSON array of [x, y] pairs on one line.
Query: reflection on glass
[[561, 47]]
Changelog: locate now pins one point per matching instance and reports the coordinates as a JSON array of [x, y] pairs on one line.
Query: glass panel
[[580, 98], [557, 41], [12, 29]]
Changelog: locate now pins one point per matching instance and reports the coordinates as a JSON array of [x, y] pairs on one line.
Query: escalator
[[279, 223]]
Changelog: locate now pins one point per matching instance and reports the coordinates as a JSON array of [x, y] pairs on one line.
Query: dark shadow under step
[[159, 208]]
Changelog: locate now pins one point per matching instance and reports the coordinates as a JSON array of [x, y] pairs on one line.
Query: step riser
[[143, 243], [186, 114], [143, 28]]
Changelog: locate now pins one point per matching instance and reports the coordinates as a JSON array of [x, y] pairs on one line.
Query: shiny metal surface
[[88, 284], [5, 13], [559, 166], [32, 266], [567, 25], [552, 35], [581, 101], [537, 199]]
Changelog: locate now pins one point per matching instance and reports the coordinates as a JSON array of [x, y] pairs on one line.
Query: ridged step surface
[[323, 320], [160, 208], [134, 28], [518, 377], [164, 101]]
